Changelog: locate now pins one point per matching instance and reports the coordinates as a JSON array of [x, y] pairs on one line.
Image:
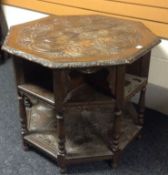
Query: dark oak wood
[[141, 107], [133, 85], [141, 66], [19, 76], [24, 129], [79, 45], [59, 94], [74, 84], [119, 97], [123, 86]]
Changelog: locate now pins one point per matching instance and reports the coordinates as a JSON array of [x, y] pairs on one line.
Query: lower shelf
[[49, 144], [83, 142]]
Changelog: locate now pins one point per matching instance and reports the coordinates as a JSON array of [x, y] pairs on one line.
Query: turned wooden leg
[[116, 80], [60, 94], [61, 142], [116, 137], [115, 146], [23, 117], [141, 107], [141, 110]]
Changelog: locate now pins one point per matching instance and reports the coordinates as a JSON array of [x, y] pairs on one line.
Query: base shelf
[[49, 144], [80, 147]]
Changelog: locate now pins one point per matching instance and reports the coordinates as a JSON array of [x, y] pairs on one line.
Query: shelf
[[132, 86], [81, 142], [84, 96], [49, 144], [37, 91]]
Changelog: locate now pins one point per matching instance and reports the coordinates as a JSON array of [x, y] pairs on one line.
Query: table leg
[[23, 117], [116, 137], [117, 88], [141, 107], [61, 142], [60, 93]]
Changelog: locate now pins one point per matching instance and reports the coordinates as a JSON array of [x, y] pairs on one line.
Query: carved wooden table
[[75, 77]]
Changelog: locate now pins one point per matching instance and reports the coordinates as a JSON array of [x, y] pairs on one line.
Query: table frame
[[60, 84]]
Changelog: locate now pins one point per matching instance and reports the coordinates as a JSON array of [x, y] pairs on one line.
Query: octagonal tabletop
[[80, 41]]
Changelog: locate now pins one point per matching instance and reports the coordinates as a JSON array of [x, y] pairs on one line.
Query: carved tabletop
[[80, 41]]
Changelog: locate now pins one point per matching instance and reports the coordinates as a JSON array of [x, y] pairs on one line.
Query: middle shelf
[[133, 84]]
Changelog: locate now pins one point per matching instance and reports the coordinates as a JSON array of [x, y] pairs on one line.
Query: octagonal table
[[75, 77]]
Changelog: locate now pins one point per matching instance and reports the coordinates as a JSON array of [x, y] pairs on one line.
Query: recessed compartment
[[38, 81]]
